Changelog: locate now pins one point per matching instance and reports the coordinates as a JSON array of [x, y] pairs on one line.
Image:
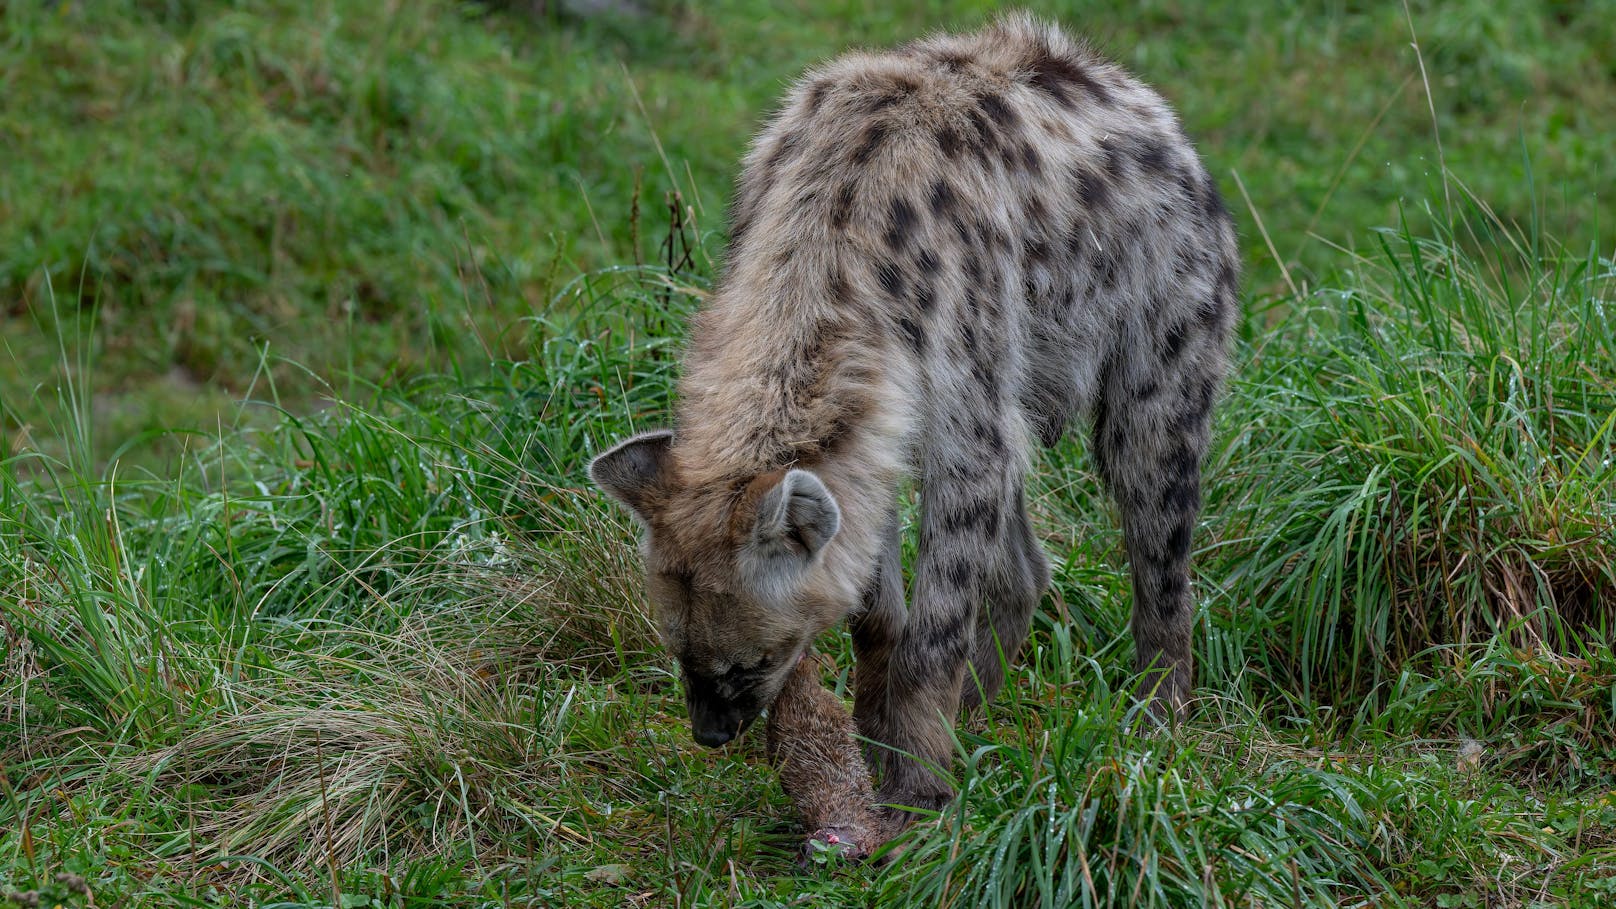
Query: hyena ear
[[795, 520], [633, 470]]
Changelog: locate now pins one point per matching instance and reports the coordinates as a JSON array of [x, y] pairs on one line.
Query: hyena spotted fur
[[941, 255]]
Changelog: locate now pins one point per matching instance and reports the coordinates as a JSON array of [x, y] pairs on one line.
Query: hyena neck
[[769, 386]]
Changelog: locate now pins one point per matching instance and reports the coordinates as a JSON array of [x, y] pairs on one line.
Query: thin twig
[[1285, 272], [325, 810]]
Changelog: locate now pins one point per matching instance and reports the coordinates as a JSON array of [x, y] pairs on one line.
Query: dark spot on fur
[[1178, 541], [942, 643], [1056, 75], [1093, 191], [1227, 285], [913, 334], [980, 516], [986, 141], [739, 222], [1183, 265], [960, 573], [842, 209], [1050, 428], [1151, 155], [1198, 407], [1107, 439], [1184, 464], [952, 60], [1030, 160], [927, 261], [988, 434], [816, 96], [960, 229], [784, 150], [1113, 158], [873, 138], [1173, 342], [942, 197], [1038, 251], [902, 224], [1078, 240], [1182, 494], [890, 277], [990, 236], [983, 374], [1169, 588], [881, 102], [949, 141], [924, 297], [998, 111], [973, 268], [1033, 209], [1186, 185], [1106, 268]]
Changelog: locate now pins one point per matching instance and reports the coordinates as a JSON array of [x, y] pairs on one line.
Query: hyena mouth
[[715, 720], [717, 733]]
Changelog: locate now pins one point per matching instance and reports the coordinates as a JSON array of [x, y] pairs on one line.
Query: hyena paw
[[900, 809], [1165, 703]]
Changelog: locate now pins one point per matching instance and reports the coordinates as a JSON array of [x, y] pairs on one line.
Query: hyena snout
[[715, 725], [714, 718]]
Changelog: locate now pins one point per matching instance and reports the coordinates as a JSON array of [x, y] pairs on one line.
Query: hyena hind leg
[[1013, 584], [1149, 438]]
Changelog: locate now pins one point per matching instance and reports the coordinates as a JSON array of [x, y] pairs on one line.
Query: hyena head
[[735, 575]]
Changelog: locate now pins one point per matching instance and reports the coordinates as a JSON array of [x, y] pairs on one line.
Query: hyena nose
[[712, 736]]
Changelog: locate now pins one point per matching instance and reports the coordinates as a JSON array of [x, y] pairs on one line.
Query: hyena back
[[941, 255]]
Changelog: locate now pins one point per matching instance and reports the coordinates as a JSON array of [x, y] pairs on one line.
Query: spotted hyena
[[940, 256]]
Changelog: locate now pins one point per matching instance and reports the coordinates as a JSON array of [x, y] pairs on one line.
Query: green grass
[[393, 651], [389, 650], [228, 200]]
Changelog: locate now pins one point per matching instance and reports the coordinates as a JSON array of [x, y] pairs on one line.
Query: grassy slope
[[393, 641], [376, 188]]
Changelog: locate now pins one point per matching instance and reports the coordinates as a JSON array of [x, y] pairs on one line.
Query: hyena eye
[[744, 671]]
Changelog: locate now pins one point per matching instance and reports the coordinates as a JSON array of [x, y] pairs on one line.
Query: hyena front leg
[[1014, 581], [962, 510], [1150, 433], [876, 629]]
